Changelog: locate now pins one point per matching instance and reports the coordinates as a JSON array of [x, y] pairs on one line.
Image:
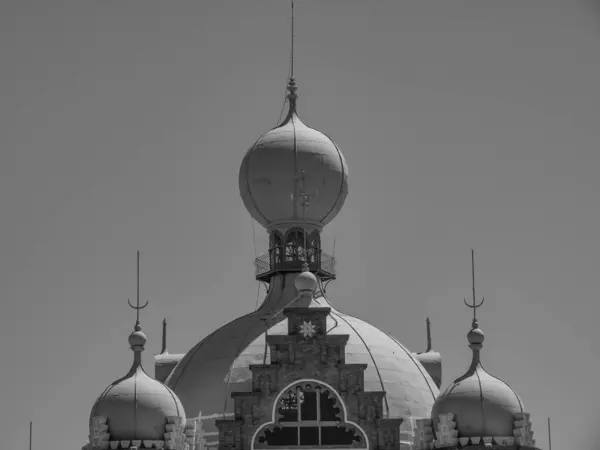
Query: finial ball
[[306, 282], [137, 339], [476, 336]]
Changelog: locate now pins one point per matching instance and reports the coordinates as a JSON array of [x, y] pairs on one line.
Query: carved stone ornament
[[99, 435], [175, 433], [522, 431], [264, 382], [446, 432], [423, 434], [307, 329]]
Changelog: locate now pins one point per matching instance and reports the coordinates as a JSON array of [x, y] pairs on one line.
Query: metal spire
[[137, 307], [474, 304], [292, 44]]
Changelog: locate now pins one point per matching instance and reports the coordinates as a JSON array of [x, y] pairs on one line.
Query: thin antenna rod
[[30, 434], [292, 42], [549, 436], [138, 287], [473, 276]]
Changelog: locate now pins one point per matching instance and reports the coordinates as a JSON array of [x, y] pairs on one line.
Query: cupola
[[294, 181], [483, 405], [478, 408]]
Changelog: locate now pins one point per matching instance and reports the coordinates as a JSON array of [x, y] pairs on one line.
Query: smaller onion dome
[[483, 405], [137, 406]]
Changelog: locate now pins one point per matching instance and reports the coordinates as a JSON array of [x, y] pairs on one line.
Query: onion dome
[[270, 174], [137, 406], [482, 404]]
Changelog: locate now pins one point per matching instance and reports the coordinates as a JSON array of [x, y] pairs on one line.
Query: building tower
[[294, 181]]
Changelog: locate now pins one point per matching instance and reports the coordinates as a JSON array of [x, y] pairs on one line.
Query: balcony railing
[[321, 263]]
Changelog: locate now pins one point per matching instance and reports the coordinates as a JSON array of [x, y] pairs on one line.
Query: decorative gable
[[308, 395]]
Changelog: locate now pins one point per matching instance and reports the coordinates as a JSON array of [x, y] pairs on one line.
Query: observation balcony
[[319, 263]]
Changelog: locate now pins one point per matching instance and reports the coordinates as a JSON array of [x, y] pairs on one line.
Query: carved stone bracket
[[99, 435], [522, 431], [230, 436], [175, 438], [370, 405], [389, 433], [445, 431]]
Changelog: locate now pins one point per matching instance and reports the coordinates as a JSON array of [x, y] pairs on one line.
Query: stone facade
[[308, 367]]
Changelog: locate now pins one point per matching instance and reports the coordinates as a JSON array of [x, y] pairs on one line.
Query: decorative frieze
[[114, 445], [424, 437]]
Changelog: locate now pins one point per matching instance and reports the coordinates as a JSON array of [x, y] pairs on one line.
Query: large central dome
[[203, 381]]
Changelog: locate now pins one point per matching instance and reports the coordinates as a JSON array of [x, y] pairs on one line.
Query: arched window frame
[[294, 245], [276, 250], [277, 422]]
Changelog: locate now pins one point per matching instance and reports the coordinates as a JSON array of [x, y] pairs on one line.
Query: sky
[[465, 124]]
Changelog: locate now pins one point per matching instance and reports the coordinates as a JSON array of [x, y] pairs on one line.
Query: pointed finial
[[292, 88], [164, 337], [474, 304], [292, 44], [428, 323], [137, 339]]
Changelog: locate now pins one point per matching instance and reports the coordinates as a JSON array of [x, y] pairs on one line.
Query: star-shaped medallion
[[307, 329]]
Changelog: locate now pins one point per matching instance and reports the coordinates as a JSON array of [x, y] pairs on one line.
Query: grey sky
[[464, 124]]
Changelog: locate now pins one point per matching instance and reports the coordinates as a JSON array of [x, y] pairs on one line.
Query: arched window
[[294, 245], [276, 249], [309, 414]]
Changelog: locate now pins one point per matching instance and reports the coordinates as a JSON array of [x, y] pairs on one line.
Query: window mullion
[[299, 416], [319, 413]]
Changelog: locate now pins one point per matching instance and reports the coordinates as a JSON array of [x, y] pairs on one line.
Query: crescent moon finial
[[137, 306]]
